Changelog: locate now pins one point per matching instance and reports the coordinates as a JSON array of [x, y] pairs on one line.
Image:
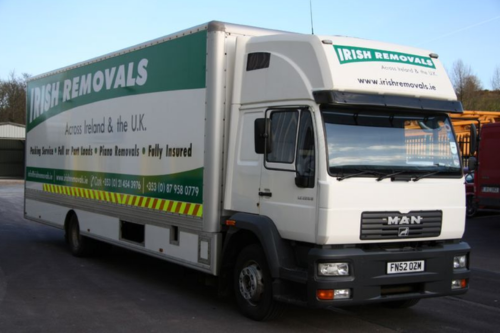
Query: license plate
[[487, 189], [405, 267]]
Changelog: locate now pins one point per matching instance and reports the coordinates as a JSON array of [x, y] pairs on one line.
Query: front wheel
[[253, 285], [471, 206]]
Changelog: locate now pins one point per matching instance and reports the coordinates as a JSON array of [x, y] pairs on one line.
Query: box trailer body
[[316, 170]]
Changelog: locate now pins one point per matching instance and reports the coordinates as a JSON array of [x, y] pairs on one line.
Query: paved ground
[[45, 289]]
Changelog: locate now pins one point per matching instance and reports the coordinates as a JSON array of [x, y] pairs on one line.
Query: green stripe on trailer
[[184, 186], [178, 64]]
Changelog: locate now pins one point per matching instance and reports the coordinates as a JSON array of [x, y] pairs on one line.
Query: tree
[[458, 75], [467, 85], [13, 99], [471, 97], [495, 80]]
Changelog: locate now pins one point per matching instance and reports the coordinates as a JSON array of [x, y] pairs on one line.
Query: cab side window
[[284, 134]]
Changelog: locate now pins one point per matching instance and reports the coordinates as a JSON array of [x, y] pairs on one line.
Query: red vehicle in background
[[483, 181]]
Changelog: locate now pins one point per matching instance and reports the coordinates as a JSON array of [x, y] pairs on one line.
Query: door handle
[[265, 194]]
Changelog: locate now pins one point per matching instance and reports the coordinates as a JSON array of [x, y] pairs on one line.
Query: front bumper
[[370, 283]]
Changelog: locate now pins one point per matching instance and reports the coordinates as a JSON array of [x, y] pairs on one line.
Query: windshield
[[390, 143]]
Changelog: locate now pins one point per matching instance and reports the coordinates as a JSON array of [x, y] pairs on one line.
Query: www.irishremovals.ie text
[[402, 84]]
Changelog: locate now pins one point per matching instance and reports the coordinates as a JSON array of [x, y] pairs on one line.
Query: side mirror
[[262, 136], [473, 140], [472, 163]]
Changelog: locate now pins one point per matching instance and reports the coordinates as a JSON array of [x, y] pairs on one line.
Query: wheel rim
[[251, 283]]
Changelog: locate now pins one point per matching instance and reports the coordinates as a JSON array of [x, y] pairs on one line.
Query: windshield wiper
[[363, 172], [446, 169], [389, 175], [417, 178]]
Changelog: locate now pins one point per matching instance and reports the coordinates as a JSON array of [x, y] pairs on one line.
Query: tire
[[80, 246], [471, 206], [253, 285], [405, 304]]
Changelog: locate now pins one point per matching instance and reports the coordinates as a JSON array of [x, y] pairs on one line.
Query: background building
[[12, 139]]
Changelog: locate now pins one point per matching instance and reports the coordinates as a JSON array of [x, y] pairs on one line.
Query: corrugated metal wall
[[11, 158], [12, 131]]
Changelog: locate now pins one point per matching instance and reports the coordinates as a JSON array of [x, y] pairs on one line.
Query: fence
[[464, 144], [424, 148]]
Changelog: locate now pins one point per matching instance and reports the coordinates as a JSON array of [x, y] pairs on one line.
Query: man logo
[[391, 220], [404, 232]]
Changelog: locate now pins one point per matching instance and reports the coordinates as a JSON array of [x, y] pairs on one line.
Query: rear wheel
[[253, 285], [80, 246]]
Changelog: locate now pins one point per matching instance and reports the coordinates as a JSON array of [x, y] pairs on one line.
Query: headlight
[[333, 269], [460, 262]]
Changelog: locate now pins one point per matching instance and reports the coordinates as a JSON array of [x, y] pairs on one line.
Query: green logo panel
[[351, 54]]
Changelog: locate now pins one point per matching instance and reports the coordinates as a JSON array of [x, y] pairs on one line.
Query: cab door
[[288, 188]]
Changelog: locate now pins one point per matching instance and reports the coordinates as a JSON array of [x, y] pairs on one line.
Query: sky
[[41, 36]]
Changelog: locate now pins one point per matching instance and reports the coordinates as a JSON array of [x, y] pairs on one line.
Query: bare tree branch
[[495, 80], [467, 85]]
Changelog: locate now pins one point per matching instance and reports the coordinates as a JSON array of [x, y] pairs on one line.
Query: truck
[[295, 169], [483, 181]]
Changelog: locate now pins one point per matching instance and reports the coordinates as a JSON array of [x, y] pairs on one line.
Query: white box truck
[[314, 170]]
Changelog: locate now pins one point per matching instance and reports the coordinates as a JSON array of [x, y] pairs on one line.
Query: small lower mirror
[[304, 181], [472, 163]]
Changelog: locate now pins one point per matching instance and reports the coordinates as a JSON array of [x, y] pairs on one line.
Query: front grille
[[394, 225]]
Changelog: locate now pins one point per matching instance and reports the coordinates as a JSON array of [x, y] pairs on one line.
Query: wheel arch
[[255, 229]]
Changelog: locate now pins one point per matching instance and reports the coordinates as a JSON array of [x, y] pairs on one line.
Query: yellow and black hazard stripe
[[171, 206]]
